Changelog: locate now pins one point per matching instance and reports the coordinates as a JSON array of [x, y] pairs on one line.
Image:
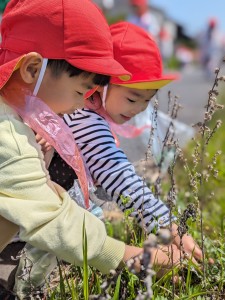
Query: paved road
[[192, 89]]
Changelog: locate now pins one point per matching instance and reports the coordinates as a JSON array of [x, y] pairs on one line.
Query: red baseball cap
[[73, 30], [137, 51]]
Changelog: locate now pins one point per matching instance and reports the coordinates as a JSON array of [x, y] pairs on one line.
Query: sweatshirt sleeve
[[47, 217], [111, 170]]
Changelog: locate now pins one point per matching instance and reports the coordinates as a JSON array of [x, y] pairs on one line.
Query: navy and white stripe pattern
[[110, 169]]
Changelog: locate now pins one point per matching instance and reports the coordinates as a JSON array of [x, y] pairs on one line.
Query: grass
[[126, 285]]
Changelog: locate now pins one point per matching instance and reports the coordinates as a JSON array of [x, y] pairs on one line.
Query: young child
[[109, 167], [87, 119], [92, 130], [43, 213]]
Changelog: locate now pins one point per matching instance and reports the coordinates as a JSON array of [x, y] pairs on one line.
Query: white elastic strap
[[40, 77], [105, 89]]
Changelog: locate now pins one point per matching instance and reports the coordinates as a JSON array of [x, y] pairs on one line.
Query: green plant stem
[[85, 264], [203, 148]]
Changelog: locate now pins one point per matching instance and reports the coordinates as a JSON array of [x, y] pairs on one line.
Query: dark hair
[[57, 66]]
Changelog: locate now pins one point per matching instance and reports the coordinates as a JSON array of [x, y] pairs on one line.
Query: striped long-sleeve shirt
[[111, 169]]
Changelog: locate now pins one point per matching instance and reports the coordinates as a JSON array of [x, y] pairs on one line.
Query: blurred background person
[[211, 44], [184, 55], [141, 16]]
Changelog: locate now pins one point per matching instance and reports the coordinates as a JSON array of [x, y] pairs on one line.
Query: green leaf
[[85, 264], [117, 289]]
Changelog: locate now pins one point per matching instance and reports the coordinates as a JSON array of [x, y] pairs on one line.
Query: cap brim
[[106, 66], [156, 84], [8, 68], [146, 85], [91, 92]]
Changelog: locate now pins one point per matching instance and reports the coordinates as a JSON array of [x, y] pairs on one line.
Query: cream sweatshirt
[[48, 219]]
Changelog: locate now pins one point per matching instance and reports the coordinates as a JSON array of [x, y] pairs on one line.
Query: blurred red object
[[213, 22], [138, 2]]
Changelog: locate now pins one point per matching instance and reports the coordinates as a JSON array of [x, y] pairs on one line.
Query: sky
[[193, 14]]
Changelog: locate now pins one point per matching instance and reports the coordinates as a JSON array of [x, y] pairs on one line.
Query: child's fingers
[[189, 246], [168, 259], [198, 253], [38, 137], [167, 256], [42, 142], [193, 249], [189, 256], [47, 147]]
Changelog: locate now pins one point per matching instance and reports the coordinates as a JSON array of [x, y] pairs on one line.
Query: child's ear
[[30, 67]]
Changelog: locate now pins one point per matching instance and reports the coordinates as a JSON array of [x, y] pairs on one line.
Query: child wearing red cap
[[108, 165], [44, 56], [93, 127]]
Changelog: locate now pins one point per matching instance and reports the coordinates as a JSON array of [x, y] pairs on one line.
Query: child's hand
[[166, 256], [163, 256], [45, 146], [189, 246]]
